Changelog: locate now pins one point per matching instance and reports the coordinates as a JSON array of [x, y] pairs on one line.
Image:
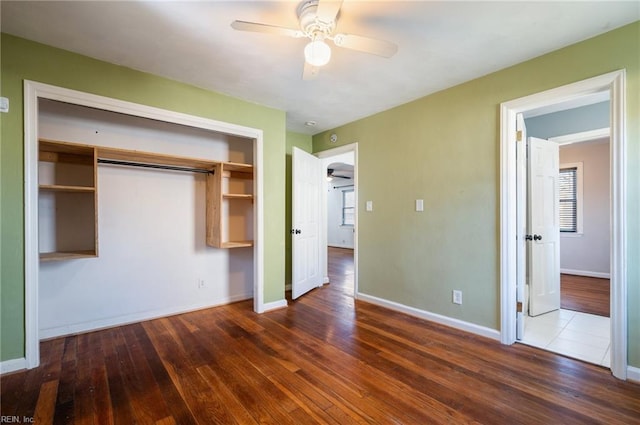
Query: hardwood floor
[[325, 359], [341, 271], [586, 294]]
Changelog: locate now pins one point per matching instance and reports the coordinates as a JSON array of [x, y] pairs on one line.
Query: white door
[[543, 244], [307, 181]]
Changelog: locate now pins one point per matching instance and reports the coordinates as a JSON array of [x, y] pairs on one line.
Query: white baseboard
[[586, 273], [13, 365], [433, 317], [274, 305], [633, 374], [111, 322]]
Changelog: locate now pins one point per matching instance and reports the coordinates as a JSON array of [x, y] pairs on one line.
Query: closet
[[139, 218]]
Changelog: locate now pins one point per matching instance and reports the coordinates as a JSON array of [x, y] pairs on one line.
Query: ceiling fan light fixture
[[317, 53]]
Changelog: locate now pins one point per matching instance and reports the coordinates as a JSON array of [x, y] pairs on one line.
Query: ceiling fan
[[331, 175], [318, 20]]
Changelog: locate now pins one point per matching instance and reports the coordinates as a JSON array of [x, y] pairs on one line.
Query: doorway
[[340, 217], [512, 232], [340, 220], [579, 325]]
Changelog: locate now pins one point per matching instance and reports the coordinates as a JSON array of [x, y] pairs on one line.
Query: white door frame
[[614, 83], [352, 147], [34, 91]]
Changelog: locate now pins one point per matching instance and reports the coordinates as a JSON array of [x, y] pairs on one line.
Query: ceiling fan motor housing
[[310, 23]]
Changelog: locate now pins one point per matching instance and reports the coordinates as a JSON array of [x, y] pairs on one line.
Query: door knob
[[528, 237], [537, 237], [296, 231]]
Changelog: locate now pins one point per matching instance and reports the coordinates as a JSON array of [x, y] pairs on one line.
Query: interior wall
[[153, 259], [570, 121], [588, 253], [445, 148]]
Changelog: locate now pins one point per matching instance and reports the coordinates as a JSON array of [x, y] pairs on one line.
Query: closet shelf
[[227, 223], [154, 158], [73, 255], [237, 196], [65, 188], [70, 225], [236, 244]]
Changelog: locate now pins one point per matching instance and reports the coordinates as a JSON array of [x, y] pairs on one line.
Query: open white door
[[543, 238], [307, 178]]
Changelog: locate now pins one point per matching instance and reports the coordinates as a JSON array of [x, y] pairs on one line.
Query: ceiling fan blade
[[341, 177], [366, 44], [328, 10], [310, 72], [265, 28]]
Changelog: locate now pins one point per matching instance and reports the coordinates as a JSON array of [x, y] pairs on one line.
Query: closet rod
[[158, 166]]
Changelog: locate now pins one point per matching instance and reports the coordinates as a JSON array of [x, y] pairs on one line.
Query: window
[[570, 199], [348, 207]]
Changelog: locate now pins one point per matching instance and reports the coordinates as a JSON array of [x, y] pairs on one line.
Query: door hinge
[[519, 136], [519, 307]]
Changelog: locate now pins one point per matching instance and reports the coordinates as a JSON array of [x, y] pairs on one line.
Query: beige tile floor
[[579, 335]]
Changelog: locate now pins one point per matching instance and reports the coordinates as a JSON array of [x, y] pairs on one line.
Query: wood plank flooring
[[325, 359], [586, 294]]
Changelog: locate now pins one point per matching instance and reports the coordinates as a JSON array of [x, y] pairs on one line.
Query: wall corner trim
[[432, 317], [13, 365]]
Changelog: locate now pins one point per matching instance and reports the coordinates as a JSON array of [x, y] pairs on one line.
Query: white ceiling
[[441, 44]]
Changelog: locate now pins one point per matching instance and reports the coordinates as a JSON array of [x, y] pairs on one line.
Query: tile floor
[[579, 335]]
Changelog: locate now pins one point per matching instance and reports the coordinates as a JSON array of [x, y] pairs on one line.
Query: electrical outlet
[[457, 297], [200, 283]]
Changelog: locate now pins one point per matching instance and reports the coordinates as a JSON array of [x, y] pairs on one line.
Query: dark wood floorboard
[[325, 359], [586, 294]]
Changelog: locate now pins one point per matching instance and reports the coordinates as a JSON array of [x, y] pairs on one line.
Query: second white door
[[543, 227], [306, 197]]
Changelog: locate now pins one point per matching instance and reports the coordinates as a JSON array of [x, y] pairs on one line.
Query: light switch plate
[[369, 206], [4, 104], [419, 205]]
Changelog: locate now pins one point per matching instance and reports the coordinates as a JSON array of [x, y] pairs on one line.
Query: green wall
[[26, 60], [445, 149], [303, 142]]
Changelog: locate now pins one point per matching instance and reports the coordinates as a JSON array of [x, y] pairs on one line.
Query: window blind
[[568, 199], [348, 207]]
